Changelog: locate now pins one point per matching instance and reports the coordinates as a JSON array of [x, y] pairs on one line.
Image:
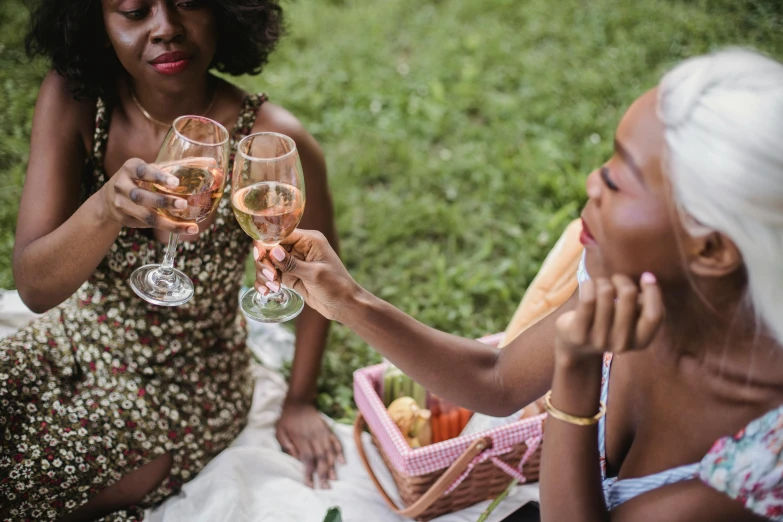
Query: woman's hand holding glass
[[130, 205], [311, 267]]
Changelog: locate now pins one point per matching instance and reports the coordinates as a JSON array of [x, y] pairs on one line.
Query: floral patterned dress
[[106, 382]]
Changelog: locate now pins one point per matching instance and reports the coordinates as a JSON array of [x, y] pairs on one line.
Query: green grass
[[458, 133]]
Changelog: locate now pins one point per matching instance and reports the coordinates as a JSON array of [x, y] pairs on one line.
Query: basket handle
[[436, 490]]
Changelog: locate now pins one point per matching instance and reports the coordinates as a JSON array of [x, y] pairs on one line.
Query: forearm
[[312, 330], [51, 268], [461, 370], [570, 460]]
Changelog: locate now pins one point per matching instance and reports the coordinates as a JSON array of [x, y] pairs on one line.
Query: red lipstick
[[171, 62]]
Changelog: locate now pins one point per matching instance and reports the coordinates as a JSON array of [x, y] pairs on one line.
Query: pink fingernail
[[193, 230], [273, 285], [648, 278], [171, 181], [278, 253], [268, 274], [255, 253]]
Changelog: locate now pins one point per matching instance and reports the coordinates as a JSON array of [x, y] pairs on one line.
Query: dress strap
[[101, 134], [606, 368], [94, 175], [245, 122], [247, 116]]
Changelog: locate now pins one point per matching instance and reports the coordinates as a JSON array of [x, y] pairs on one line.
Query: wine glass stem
[[278, 297], [167, 266]]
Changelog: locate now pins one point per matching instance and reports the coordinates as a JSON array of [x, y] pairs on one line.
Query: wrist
[[354, 305], [576, 385], [299, 399], [574, 360], [100, 209]]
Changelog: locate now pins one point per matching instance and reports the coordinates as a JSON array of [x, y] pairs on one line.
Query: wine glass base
[[156, 288], [277, 308]]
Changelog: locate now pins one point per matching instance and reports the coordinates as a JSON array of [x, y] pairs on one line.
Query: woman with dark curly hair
[[109, 404]]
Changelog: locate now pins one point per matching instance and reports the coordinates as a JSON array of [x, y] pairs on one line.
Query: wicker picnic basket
[[449, 475]]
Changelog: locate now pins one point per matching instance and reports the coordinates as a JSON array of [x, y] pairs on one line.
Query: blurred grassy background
[[458, 133]]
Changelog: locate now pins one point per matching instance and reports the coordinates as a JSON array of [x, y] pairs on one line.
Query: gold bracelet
[[572, 419]]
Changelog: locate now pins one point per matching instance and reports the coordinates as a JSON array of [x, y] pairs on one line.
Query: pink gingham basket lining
[[436, 456]]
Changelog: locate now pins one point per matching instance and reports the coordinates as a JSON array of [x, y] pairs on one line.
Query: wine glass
[[268, 196], [195, 150]]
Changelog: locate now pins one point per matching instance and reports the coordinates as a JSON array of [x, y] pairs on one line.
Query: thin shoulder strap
[[94, 175], [101, 135], [606, 368], [247, 116]]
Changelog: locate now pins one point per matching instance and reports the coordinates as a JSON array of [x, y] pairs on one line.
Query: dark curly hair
[[71, 34]]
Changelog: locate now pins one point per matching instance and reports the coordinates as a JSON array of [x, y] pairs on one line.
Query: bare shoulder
[[60, 115], [274, 118]]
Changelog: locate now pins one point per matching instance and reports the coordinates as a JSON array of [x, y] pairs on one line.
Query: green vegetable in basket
[[396, 384]]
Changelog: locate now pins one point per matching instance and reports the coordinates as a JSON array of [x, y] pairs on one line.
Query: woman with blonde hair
[[678, 337]]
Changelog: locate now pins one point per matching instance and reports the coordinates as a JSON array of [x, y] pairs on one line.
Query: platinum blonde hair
[[723, 118]]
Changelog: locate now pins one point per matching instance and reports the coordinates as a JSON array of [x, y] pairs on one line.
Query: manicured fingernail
[[268, 274], [255, 253], [273, 285], [171, 181], [648, 278], [193, 229], [180, 203], [278, 253]]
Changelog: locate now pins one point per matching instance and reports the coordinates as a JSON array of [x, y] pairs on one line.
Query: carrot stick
[[443, 421], [453, 420]]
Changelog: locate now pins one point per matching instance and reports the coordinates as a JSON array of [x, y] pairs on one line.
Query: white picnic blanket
[[253, 481]]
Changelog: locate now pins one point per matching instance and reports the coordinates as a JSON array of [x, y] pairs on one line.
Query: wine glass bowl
[[201, 185], [268, 198], [196, 150]]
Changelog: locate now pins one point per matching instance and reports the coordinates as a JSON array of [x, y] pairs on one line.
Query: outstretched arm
[[467, 372]]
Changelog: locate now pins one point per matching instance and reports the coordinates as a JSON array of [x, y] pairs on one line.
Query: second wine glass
[[268, 197]]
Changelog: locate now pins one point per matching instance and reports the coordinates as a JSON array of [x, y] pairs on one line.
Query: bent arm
[[58, 243], [463, 371]]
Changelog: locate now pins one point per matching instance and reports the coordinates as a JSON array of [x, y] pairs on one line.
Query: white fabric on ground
[[253, 481]]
